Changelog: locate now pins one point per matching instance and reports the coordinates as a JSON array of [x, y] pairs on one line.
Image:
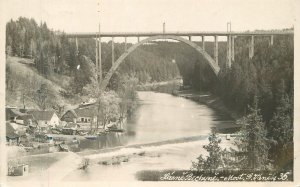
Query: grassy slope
[[27, 80]]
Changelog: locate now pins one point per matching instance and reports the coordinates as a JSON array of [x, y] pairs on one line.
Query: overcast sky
[[148, 15]]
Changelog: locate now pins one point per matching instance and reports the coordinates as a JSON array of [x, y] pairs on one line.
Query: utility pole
[[99, 79], [99, 63], [229, 26]]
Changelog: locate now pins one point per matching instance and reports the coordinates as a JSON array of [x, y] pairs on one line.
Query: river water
[[159, 117]]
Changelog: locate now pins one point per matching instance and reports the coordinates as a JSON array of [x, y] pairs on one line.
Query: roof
[[42, 115], [71, 126], [85, 112], [72, 112], [13, 112], [10, 131], [25, 117]]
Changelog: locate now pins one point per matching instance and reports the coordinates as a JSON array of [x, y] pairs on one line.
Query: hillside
[[23, 78]]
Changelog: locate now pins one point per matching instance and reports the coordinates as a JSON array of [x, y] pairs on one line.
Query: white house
[[46, 118], [85, 117]]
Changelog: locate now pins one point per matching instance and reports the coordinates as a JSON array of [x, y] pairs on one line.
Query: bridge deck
[[148, 34]]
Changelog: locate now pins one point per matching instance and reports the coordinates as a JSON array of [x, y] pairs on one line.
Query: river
[[159, 117]]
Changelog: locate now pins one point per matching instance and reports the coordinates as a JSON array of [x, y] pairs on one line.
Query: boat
[[63, 147], [116, 130], [91, 137]]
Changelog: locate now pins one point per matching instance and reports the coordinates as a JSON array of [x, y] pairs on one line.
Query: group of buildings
[[23, 122]]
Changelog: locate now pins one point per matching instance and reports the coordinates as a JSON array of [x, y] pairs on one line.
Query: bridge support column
[[216, 53], [99, 62], [190, 38], [232, 48], [251, 47], [138, 39], [76, 41], [125, 44], [203, 42], [96, 57], [112, 51], [229, 51], [271, 40]]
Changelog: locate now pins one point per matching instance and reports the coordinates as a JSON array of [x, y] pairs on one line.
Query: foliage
[[41, 96], [282, 133], [109, 109], [217, 157], [252, 144]]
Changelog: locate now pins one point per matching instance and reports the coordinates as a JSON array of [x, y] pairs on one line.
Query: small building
[[85, 117], [25, 119], [18, 128], [12, 138], [70, 128], [11, 113], [45, 118], [19, 170]]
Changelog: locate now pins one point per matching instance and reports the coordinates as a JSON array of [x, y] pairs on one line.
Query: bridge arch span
[[215, 67]]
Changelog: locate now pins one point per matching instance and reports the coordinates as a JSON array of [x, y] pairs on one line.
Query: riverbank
[[207, 99], [158, 86]]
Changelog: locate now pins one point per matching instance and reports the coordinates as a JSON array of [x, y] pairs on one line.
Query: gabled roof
[[71, 126], [73, 112], [42, 115], [85, 112], [10, 131], [25, 117], [13, 112]]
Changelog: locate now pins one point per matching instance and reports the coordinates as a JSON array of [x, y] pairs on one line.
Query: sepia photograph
[[148, 90]]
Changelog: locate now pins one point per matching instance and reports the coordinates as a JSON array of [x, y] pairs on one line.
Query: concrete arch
[[215, 67]]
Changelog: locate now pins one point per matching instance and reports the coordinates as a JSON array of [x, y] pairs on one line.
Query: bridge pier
[[203, 42], [251, 47], [232, 48], [112, 51], [229, 51], [96, 57], [216, 53], [138, 38], [76, 41], [98, 62], [190, 38], [99, 70], [271, 40]]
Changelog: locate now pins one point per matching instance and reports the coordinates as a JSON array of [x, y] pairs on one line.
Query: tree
[[41, 96], [252, 143], [215, 159], [281, 130], [108, 109], [127, 92]]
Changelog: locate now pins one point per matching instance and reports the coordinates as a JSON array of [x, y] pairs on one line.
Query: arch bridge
[[178, 36]]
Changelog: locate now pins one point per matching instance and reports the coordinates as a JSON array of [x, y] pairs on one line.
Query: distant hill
[[23, 78]]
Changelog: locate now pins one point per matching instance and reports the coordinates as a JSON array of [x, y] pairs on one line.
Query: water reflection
[[161, 117]]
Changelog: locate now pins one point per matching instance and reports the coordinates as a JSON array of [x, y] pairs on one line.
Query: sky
[[149, 15]]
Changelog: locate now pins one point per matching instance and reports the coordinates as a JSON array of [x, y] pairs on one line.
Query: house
[[70, 128], [12, 138], [45, 118], [25, 119], [85, 117], [11, 113]]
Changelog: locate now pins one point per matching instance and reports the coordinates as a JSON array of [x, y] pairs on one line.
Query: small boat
[[91, 137], [63, 148], [116, 130]]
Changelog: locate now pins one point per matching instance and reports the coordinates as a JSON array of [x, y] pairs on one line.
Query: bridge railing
[[202, 33]]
